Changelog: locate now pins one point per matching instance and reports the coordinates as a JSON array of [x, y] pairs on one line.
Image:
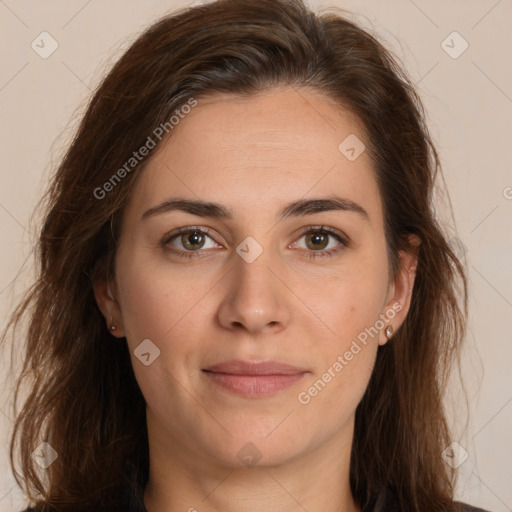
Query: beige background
[[469, 105]]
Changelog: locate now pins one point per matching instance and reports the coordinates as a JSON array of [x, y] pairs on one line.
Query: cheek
[[160, 306], [350, 305], [346, 358], [148, 307], [168, 306], [154, 298], [349, 300]]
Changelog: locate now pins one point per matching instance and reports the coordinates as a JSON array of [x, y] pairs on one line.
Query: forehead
[[261, 151]]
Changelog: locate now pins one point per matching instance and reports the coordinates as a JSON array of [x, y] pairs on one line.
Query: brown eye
[[189, 240], [320, 242], [193, 240], [317, 240]]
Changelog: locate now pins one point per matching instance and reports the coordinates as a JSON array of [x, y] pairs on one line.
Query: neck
[[319, 480]]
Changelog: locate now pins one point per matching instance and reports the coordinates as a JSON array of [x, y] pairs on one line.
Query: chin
[[251, 449]]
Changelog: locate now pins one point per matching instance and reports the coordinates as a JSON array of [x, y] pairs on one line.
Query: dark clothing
[[385, 502]]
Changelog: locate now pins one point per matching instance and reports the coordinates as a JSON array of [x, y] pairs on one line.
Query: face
[[255, 280]]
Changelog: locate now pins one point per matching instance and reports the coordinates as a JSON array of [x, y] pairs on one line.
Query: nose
[[256, 299]]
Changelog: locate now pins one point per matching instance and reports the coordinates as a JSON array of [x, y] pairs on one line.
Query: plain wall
[[468, 100]]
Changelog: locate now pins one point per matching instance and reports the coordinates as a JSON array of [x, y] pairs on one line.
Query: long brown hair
[[83, 398]]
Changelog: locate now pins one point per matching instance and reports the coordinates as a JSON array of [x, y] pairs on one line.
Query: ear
[[105, 293], [398, 300]]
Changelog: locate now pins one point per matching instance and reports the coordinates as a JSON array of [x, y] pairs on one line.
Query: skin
[[254, 156]]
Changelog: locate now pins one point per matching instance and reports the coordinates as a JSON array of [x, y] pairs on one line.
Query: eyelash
[[309, 254]]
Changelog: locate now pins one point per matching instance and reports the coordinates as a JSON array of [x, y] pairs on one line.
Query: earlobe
[[389, 332], [401, 289], [105, 293]]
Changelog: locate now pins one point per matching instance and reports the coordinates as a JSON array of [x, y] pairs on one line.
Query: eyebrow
[[293, 209]]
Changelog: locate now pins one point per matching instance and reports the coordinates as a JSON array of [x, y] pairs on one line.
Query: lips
[[254, 379], [239, 367]]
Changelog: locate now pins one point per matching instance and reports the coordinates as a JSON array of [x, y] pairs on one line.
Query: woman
[[244, 300]]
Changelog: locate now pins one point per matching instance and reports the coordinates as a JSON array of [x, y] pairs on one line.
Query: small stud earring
[[112, 326], [389, 332]]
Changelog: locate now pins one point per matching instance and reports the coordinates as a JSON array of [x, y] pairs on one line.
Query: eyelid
[[187, 229], [326, 229], [333, 232]]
